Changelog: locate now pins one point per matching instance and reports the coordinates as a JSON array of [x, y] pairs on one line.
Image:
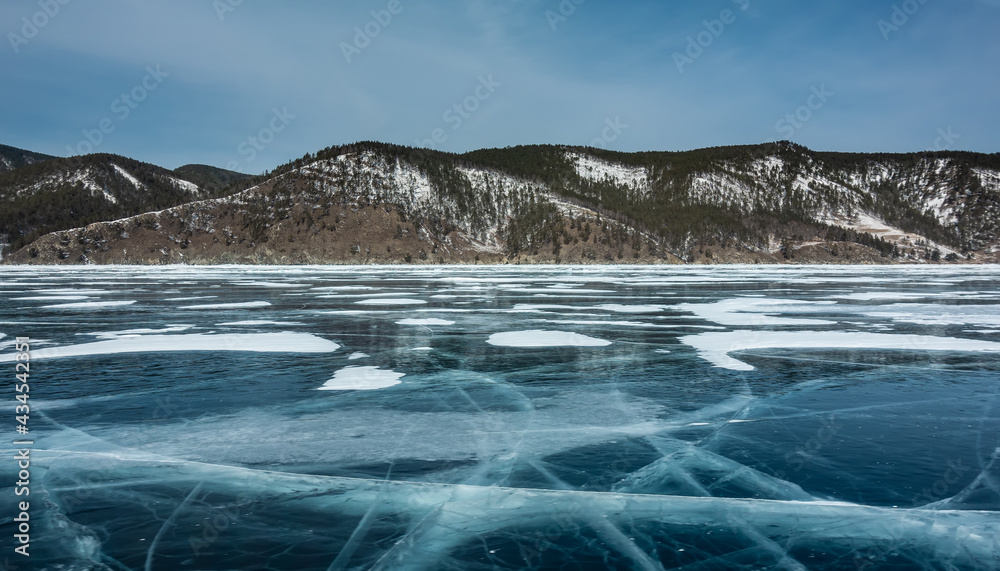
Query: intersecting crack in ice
[[984, 489], [447, 515], [615, 457], [166, 525], [674, 471], [458, 513]]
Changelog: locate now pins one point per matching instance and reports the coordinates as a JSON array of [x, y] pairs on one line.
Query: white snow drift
[[258, 343], [362, 379], [716, 346], [541, 338]]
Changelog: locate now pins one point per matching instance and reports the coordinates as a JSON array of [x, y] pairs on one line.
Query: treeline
[[884, 247]]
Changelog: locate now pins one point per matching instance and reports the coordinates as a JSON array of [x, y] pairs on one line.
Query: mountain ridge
[[61, 193], [372, 202], [13, 157]]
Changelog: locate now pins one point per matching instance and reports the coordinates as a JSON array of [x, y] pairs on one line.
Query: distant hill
[[12, 158], [372, 202], [209, 177], [62, 193]]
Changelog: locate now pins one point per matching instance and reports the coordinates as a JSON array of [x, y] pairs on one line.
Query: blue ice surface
[[208, 444]]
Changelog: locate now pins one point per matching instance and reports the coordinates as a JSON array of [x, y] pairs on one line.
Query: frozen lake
[[508, 418]]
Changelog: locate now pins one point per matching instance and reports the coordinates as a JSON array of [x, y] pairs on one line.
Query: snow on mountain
[[135, 182], [84, 177], [598, 170], [373, 202], [62, 193], [186, 186], [370, 177], [867, 223]]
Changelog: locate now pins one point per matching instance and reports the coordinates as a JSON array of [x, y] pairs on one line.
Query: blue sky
[[520, 72]]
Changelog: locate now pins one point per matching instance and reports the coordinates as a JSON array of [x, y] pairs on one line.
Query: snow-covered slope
[[635, 179]]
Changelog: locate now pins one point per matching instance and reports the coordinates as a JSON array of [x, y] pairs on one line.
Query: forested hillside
[[57, 194], [373, 202], [12, 158]]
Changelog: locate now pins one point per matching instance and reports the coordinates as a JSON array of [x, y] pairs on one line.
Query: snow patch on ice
[[429, 321], [88, 305], [597, 322], [391, 301], [272, 284], [520, 307], [715, 347], [259, 322], [283, 342], [541, 338], [744, 311], [51, 298], [362, 379], [239, 305], [72, 291], [138, 332], [939, 314], [618, 308], [880, 295], [341, 288]]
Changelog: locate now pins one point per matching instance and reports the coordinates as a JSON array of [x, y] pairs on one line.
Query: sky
[[249, 85]]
